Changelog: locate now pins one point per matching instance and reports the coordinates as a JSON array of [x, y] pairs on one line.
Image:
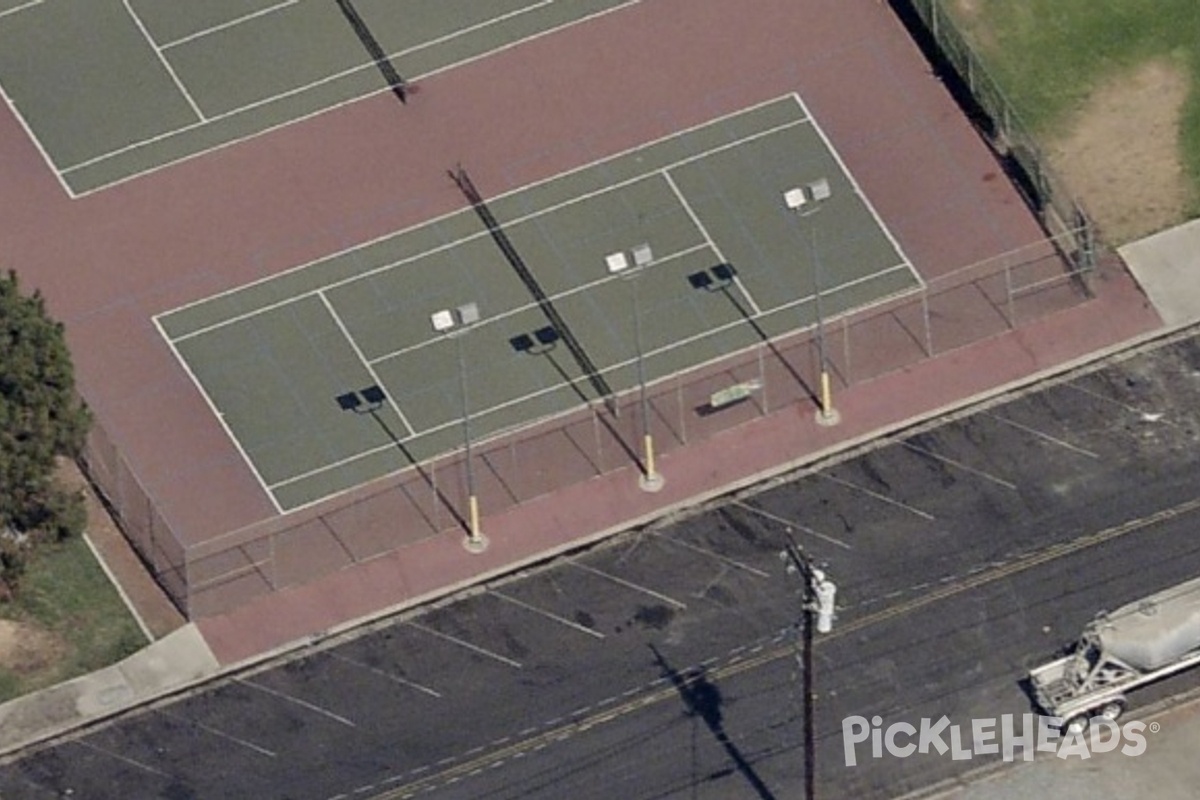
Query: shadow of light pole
[[367, 402], [719, 279], [543, 342]]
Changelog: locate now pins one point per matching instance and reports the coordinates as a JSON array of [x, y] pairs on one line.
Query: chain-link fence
[[1060, 214], [515, 467], [955, 310], [136, 513]]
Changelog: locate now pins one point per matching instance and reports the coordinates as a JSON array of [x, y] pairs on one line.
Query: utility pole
[[819, 593]]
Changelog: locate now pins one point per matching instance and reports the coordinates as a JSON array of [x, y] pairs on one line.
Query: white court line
[[166, 64], [882, 497], [220, 734], [363, 359], [548, 615], [530, 217], [790, 524], [390, 676], [463, 643], [711, 243], [37, 143], [436, 220], [866, 201], [618, 365], [1042, 435], [959, 465], [212, 406], [22, 7], [628, 584], [291, 92], [712, 554], [302, 703], [125, 759], [228, 24]]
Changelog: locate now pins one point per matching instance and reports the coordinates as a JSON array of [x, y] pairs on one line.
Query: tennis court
[[110, 89], [731, 265]]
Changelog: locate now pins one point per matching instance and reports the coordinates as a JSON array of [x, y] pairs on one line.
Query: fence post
[[599, 439], [1008, 290], [762, 379], [925, 318], [679, 403]]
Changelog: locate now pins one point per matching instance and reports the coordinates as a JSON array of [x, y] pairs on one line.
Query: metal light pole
[[806, 201], [618, 264], [455, 324]]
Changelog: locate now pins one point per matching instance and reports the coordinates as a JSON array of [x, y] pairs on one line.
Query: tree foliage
[[41, 418]]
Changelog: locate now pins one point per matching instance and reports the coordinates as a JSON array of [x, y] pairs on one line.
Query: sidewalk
[[738, 457], [1119, 315]]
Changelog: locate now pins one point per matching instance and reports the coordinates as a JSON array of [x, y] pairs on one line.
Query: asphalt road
[[663, 664]]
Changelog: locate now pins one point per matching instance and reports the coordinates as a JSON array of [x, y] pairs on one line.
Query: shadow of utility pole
[[702, 698]]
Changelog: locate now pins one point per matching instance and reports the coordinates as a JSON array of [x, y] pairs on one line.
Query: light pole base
[[651, 483], [828, 418], [475, 544]]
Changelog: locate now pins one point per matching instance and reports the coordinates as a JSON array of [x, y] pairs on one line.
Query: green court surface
[[114, 88], [274, 356]]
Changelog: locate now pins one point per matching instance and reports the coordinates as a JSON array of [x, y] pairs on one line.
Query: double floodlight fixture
[[447, 320], [803, 199], [618, 263]]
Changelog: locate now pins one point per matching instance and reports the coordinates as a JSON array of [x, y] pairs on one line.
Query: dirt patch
[[1119, 154], [25, 648]]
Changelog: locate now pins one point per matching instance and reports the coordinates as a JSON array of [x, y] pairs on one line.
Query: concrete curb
[[846, 449], [175, 662], [182, 660]]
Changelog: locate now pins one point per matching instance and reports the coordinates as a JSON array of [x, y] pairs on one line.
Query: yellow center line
[[777, 652]]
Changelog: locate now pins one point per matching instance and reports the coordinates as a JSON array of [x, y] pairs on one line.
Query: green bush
[[41, 419]]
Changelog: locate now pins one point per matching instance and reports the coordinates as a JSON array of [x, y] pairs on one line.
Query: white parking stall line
[[302, 703], [959, 465], [880, 497], [713, 554], [628, 584], [1144, 416], [220, 734], [790, 524], [463, 643], [1042, 435], [389, 675], [548, 615], [124, 759]]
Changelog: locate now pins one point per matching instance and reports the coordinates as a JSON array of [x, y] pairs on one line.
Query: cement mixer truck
[[1118, 652]]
